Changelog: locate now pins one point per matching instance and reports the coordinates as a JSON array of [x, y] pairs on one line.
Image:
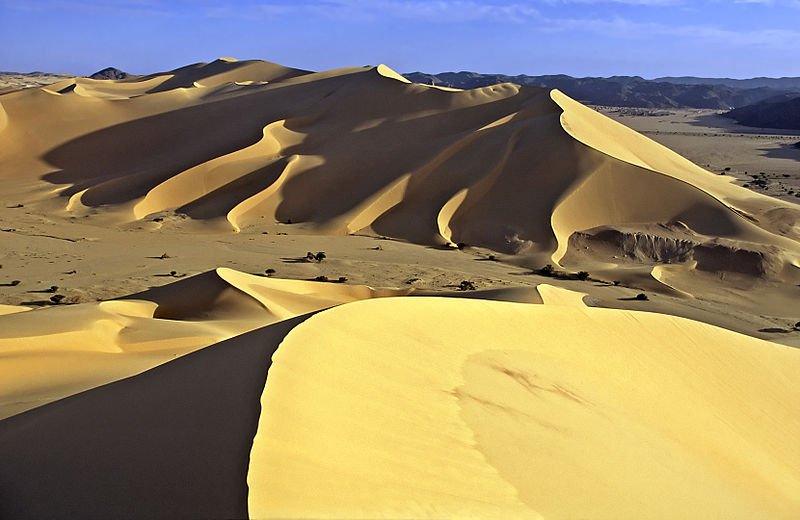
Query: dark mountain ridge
[[627, 91], [781, 111], [110, 73]]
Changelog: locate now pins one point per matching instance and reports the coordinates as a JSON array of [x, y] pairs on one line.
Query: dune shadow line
[[173, 442]]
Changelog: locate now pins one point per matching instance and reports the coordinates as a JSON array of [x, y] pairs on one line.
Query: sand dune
[[387, 396], [523, 411], [73, 348], [245, 144], [373, 409]]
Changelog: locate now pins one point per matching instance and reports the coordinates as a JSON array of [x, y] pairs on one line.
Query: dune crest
[[269, 143], [69, 346]]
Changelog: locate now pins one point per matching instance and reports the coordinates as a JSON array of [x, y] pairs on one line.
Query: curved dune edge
[[3, 118], [524, 411], [661, 272], [170, 443], [552, 295], [617, 140], [625, 144], [12, 309], [388, 72], [77, 347], [205, 178], [648, 165]]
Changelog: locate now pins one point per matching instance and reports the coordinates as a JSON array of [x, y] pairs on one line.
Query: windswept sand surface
[[149, 367]]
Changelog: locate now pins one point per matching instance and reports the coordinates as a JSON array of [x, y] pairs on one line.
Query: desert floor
[[716, 143]]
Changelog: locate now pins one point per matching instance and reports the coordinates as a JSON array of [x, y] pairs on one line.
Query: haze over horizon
[[649, 38]]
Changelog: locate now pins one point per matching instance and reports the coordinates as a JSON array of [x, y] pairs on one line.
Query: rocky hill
[[781, 111]]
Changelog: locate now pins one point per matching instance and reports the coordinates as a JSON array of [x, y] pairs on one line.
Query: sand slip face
[[448, 408]]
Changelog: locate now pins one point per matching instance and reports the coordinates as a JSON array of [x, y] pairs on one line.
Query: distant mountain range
[[774, 83], [782, 111], [633, 91], [761, 102]]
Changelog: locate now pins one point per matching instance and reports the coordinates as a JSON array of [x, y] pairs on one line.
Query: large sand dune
[[226, 394], [429, 408], [242, 144]]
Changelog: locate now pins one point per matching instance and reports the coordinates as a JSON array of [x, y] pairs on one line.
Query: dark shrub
[[547, 270], [642, 297], [582, 276]]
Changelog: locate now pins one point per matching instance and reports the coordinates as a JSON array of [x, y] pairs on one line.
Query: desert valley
[[242, 290]]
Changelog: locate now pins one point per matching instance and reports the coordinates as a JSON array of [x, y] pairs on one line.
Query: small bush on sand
[[269, 272], [582, 276], [321, 279], [466, 285], [547, 270], [642, 297]]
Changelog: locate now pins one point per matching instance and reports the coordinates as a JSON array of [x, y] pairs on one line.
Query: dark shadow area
[[726, 126], [783, 151], [173, 442], [222, 200], [38, 303], [775, 330], [296, 260], [50, 290]]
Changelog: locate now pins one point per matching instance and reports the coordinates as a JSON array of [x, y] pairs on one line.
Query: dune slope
[[170, 443], [245, 144], [442, 408], [447, 408]]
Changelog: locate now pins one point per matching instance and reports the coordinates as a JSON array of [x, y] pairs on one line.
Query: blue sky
[[734, 38]]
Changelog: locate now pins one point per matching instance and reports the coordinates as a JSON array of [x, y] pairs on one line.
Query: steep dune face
[[246, 144], [375, 409], [524, 411], [171, 443]]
